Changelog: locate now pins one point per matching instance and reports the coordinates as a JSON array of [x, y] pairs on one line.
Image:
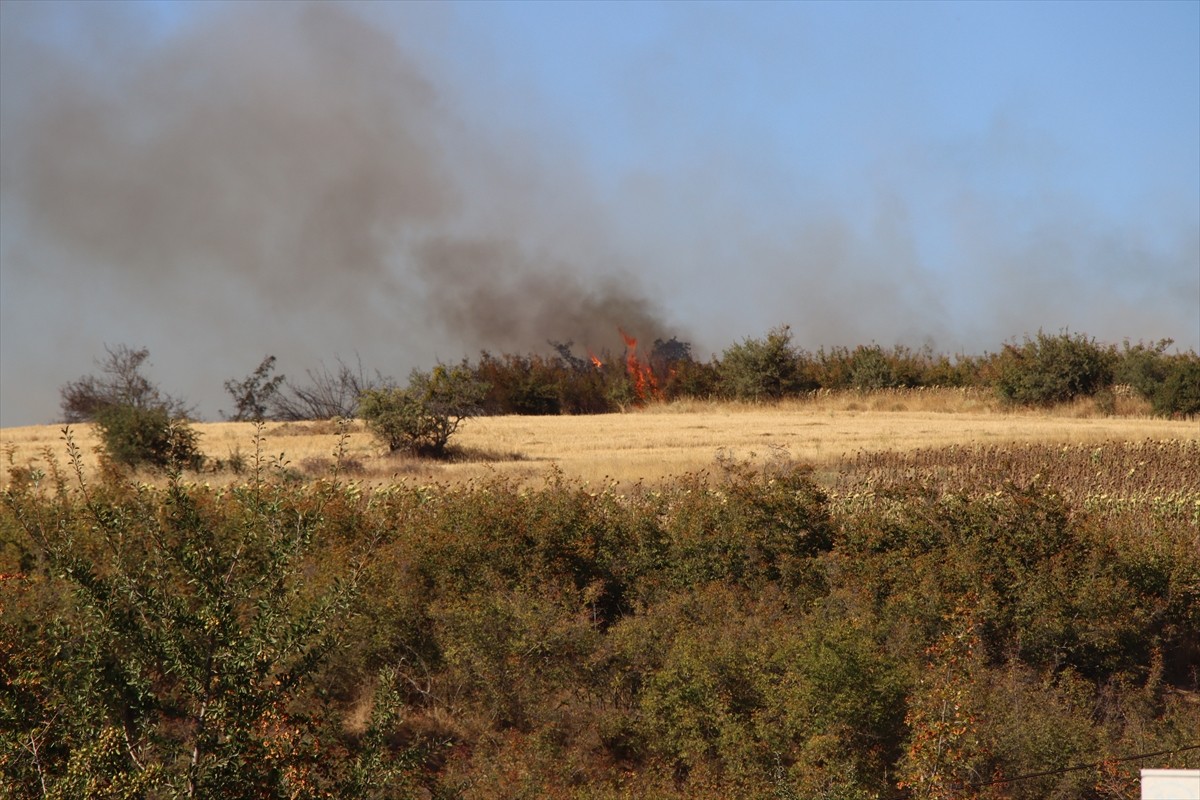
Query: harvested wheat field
[[827, 431]]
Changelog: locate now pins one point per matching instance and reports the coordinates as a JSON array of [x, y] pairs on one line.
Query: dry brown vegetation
[[548, 614], [824, 429]]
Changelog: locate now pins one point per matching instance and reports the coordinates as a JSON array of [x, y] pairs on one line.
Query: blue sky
[[412, 182]]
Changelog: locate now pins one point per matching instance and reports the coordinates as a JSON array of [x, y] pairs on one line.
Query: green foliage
[[1042, 371], [755, 526], [147, 437], [180, 634], [1179, 393], [252, 395], [1054, 369], [761, 369], [871, 369], [421, 418], [742, 633], [139, 425], [530, 385], [692, 379], [1170, 382], [1143, 367]]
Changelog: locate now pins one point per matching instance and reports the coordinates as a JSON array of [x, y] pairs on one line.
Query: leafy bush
[[761, 369], [170, 644], [871, 369], [139, 424], [1179, 393], [1143, 367], [939, 621], [530, 385], [136, 437], [756, 526], [1054, 369], [422, 417], [1170, 382]]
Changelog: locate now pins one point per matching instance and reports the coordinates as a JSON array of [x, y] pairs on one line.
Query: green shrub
[[762, 369], [1170, 382], [168, 644], [1179, 392], [871, 369], [148, 437], [756, 526], [1142, 366], [1054, 369], [421, 418]]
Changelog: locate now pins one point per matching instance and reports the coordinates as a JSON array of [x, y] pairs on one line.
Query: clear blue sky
[[413, 182]]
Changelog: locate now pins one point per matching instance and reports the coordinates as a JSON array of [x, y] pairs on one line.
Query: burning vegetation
[[641, 374]]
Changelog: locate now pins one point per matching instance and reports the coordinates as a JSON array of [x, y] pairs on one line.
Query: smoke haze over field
[[418, 182]]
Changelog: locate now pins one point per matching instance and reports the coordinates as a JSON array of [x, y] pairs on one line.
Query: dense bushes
[[1170, 382], [740, 634], [163, 643], [1054, 369], [1041, 371]]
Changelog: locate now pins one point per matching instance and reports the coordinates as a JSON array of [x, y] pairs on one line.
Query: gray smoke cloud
[[220, 181], [285, 178]]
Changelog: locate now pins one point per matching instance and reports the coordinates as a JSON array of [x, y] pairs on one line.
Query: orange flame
[[645, 385], [596, 362]]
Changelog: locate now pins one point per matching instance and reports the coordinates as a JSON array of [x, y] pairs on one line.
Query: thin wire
[[1077, 768], [1062, 770]]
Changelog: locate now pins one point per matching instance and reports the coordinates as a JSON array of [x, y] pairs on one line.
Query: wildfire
[[596, 362], [645, 385]]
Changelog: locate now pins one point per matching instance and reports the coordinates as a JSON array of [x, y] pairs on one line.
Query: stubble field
[[830, 432]]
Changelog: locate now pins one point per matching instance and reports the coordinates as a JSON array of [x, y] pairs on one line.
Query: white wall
[[1171, 784]]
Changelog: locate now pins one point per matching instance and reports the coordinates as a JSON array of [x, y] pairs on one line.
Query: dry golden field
[[652, 443]]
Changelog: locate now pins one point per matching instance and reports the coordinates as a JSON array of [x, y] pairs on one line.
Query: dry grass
[[824, 429], [1112, 477]]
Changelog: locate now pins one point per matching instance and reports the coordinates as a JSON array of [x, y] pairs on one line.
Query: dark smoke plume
[[291, 170]]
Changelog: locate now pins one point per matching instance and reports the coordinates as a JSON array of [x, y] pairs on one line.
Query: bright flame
[[645, 385], [596, 362]]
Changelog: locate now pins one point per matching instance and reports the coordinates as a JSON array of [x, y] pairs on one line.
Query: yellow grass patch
[[648, 444]]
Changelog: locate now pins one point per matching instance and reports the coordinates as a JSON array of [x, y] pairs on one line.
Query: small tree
[[1170, 382], [759, 369], [1054, 369], [252, 394], [870, 369], [120, 383], [139, 424], [1179, 393], [136, 437], [328, 395], [422, 418]]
